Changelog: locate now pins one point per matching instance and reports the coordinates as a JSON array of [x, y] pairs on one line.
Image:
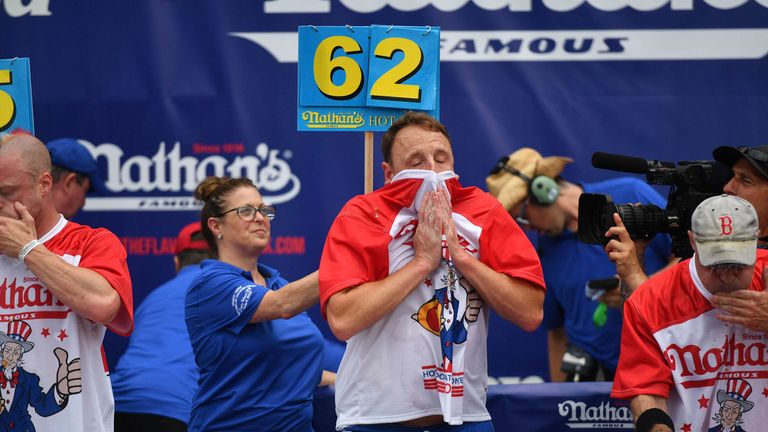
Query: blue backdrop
[[167, 92]]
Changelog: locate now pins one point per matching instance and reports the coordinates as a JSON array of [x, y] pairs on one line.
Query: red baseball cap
[[185, 242]]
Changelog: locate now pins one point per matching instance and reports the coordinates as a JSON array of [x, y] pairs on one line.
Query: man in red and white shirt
[[61, 285], [681, 365], [407, 277]]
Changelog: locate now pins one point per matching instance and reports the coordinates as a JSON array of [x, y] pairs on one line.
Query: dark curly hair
[[213, 192]]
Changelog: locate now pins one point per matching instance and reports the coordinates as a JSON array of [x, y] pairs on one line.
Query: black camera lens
[[643, 221]]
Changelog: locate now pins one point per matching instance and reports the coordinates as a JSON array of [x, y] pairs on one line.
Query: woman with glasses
[[258, 354]]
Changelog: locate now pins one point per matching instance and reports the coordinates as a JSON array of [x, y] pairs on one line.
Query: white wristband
[[27, 249]]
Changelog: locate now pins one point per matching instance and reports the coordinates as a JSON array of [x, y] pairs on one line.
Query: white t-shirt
[[395, 370], [30, 314]]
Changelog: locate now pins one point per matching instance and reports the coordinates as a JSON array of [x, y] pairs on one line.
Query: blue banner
[[166, 93]]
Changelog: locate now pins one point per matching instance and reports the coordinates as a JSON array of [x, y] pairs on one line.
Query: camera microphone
[[628, 164]]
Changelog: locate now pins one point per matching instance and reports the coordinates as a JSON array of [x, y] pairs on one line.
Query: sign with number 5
[[362, 78], [15, 96]]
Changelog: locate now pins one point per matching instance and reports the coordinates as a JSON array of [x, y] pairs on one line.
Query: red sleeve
[[642, 368], [505, 248], [355, 252], [105, 255]]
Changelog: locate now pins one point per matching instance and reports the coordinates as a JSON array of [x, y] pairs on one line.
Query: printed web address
[[158, 246]]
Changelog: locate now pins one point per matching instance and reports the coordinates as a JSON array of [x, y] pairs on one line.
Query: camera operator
[[750, 182], [581, 346], [681, 366]]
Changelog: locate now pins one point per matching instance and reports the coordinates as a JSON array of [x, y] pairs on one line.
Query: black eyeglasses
[[248, 212], [501, 165], [754, 153]]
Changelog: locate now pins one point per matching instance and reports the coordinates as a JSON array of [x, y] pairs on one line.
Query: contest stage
[[546, 407]]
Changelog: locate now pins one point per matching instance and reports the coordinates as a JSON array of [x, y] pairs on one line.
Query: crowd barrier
[[547, 407]]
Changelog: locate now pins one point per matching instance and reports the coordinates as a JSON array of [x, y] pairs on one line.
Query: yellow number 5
[[325, 66], [7, 106], [390, 84]]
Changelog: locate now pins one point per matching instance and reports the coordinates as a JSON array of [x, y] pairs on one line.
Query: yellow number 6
[[7, 106], [324, 66]]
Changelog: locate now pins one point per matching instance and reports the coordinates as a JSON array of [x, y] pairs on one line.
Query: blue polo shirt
[[253, 377], [569, 264], [157, 374]]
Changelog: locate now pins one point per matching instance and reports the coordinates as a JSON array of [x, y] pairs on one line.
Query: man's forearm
[[85, 291], [650, 413], [357, 308], [515, 300]]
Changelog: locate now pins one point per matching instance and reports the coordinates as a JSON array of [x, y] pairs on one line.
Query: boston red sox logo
[[726, 225]]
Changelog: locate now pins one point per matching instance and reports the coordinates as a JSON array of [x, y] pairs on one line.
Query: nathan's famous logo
[[694, 360], [580, 415], [322, 120], [15, 295], [168, 171]]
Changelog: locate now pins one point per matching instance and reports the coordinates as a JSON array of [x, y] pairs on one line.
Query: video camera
[[691, 182]]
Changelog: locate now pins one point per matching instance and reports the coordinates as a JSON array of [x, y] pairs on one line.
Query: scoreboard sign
[[362, 78], [15, 96]]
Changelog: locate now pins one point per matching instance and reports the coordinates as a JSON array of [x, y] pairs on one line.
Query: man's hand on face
[[15, 233], [427, 241], [746, 307], [455, 251]]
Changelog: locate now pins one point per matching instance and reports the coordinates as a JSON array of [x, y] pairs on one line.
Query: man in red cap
[[155, 379]]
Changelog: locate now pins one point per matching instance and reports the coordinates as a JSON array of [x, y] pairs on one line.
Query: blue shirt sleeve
[[222, 299], [553, 310]]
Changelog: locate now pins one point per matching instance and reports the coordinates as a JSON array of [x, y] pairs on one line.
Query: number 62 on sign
[[362, 78]]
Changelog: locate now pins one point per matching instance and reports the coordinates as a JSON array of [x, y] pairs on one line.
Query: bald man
[[70, 283]]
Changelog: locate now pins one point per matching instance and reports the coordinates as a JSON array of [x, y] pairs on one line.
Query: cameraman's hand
[[745, 307], [622, 251]]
